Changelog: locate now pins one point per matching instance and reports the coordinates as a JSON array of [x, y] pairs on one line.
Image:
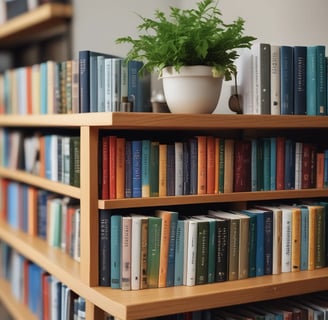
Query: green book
[[154, 246], [145, 168], [202, 252]]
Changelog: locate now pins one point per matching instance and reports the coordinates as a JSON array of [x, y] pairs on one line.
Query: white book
[[101, 83], [54, 288], [191, 252], [54, 157], [298, 165], [76, 250], [135, 252], [286, 239], [116, 84], [178, 168], [108, 85], [275, 79], [126, 253]]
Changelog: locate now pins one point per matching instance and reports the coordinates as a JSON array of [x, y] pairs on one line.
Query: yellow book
[[162, 170]]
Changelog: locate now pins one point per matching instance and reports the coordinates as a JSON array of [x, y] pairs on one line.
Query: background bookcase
[[83, 277]]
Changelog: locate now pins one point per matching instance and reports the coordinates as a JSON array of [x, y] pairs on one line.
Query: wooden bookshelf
[[141, 304], [43, 22]]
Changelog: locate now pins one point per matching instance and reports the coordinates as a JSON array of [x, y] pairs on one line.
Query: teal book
[[154, 169], [179, 254], [172, 248], [43, 88], [286, 80], [104, 248], [154, 246], [304, 238], [115, 251], [254, 165], [273, 163], [266, 164], [145, 168], [259, 245], [311, 81], [136, 169], [321, 108]]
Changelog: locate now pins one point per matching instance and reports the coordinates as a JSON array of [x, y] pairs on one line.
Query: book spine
[[126, 253], [154, 169], [179, 254], [222, 247], [321, 109], [191, 253], [202, 252], [299, 72], [84, 71], [145, 168], [128, 169], [104, 248], [144, 253], [304, 238], [265, 77], [275, 80], [120, 168], [170, 174], [286, 241], [201, 163], [171, 252], [286, 80], [136, 168], [311, 81], [193, 146], [296, 240], [178, 145], [115, 249], [135, 252], [162, 191]]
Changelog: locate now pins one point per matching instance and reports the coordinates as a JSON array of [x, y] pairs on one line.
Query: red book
[[210, 167], [320, 170], [242, 166], [29, 103], [105, 169], [306, 163], [120, 168], [112, 167], [280, 170]]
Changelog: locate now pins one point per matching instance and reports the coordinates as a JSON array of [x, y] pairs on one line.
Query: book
[[289, 183], [280, 174], [144, 253], [299, 75], [179, 253], [201, 164], [162, 170], [126, 245], [286, 80], [154, 245], [172, 247], [320, 169], [228, 165], [304, 237], [170, 170], [115, 250], [275, 80], [321, 90], [104, 247], [145, 168], [242, 166], [190, 277], [136, 169], [120, 167], [154, 169], [210, 164], [112, 166], [136, 252], [286, 239], [178, 165]]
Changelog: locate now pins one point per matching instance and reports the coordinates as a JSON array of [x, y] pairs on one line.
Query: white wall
[[98, 23]]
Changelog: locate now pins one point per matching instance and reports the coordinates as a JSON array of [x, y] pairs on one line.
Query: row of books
[[42, 293], [42, 214], [311, 306], [172, 249], [282, 79], [108, 83], [45, 88], [52, 156], [208, 165]]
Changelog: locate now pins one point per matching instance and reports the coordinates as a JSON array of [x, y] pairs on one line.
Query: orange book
[[312, 236], [296, 239], [210, 165], [201, 165], [4, 199], [120, 168], [42, 156], [32, 211], [162, 170], [228, 165], [320, 170], [164, 249], [112, 167]]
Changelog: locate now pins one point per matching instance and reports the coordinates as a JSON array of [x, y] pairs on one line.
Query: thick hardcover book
[[321, 109], [265, 76], [202, 252], [311, 81], [162, 170], [298, 165], [266, 164], [145, 168], [144, 253], [296, 238], [191, 252], [260, 165], [154, 245], [120, 168], [210, 164], [186, 168], [104, 248], [193, 146], [286, 239], [75, 161], [286, 80], [115, 249], [304, 237], [320, 170], [126, 244], [178, 164], [112, 166], [289, 164], [299, 73], [228, 165], [275, 80], [242, 166], [254, 143], [280, 176], [273, 163], [136, 252], [171, 253]]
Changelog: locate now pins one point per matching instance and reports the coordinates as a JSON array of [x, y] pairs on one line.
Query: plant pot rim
[[187, 71]]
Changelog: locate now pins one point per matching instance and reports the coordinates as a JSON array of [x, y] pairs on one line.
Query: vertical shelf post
[[89, 205]]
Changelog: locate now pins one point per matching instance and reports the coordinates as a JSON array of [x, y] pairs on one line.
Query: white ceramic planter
[[191, 90]]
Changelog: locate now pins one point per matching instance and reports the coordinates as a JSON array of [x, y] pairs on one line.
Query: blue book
[[138, 87], [273, 163], [311, 81], [13, 205], [259, 243], [145, 168], [299, 74], [136, 169], [171, 253], [304, 238], [179, 253], [43, 88], [35, 289], [115, 251], [286, 80], [42, 214], [104, 248], [170, 172], [193, 151], [289, 164]]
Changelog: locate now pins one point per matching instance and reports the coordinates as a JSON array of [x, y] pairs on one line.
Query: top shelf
[[44, 21], [166, 121]]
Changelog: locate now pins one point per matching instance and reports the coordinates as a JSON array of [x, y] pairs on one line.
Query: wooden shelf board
[[17, 310], [155, 302], [211, 198], [32, 25], [40, 182], [166, 121]]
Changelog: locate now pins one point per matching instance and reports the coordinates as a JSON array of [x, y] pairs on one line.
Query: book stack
[[208, 165], [282, 79], [173, 249], [45, 296]]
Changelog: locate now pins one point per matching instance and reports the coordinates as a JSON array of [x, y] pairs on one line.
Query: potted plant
[[189, 41]]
